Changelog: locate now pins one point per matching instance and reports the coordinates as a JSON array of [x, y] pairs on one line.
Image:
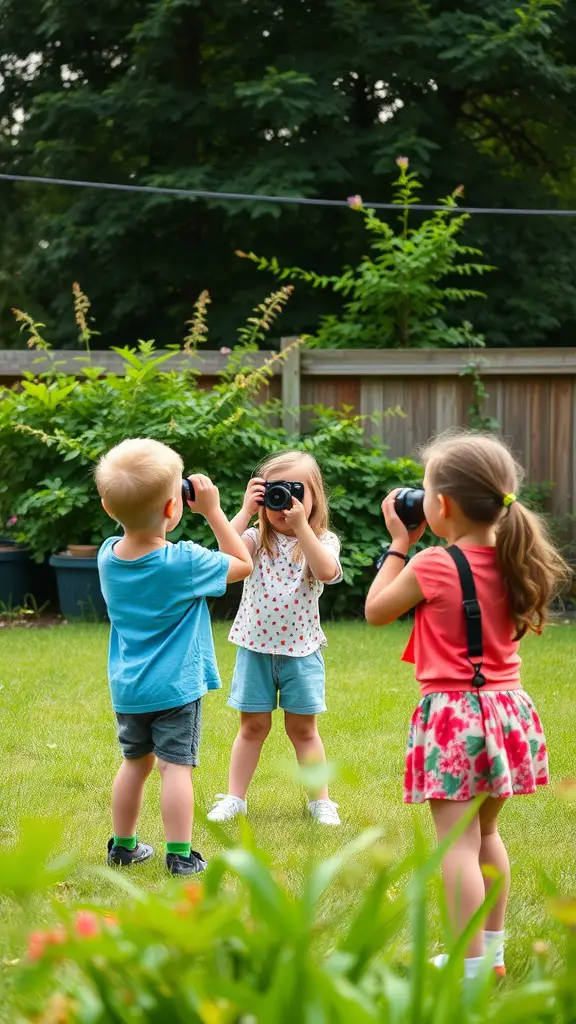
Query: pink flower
[[36, 945], [39, 941], [355, 202], [458, 191], [402, 162], [225, 351], [86, 925], [13, 520]]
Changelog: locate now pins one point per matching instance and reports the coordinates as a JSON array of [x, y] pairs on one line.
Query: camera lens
[[409, 505], [277, 497]]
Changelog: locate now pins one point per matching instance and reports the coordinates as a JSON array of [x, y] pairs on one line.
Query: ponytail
[[533, 569]]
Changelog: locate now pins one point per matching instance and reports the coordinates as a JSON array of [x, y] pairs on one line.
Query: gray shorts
[[173, 735]]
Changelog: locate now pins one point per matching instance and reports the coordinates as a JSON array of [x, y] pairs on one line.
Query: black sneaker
[[119, 856], [177, 864]]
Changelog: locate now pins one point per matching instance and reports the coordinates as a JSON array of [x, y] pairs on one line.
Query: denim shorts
[[261, 682], [173, 735]]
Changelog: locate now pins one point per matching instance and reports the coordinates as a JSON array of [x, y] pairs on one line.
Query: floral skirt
[[462, 744]]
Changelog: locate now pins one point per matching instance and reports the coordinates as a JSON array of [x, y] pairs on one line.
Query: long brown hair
[[477, 471], [280, 464]]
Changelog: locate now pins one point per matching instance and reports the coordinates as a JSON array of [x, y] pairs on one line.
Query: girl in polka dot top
[[277, 628]]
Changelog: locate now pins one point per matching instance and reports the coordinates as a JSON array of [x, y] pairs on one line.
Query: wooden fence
[[532, 395]]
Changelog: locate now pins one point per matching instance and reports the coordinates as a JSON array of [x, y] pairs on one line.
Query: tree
[[285, 97]]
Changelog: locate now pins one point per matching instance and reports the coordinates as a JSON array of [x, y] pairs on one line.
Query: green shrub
[[55, 428], [240, 948]]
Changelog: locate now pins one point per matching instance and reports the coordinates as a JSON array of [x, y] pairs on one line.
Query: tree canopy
[[288, 97]]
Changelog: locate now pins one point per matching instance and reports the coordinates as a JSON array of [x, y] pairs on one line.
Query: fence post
[[290, 387]]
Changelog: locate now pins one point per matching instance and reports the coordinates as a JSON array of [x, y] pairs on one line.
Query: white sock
[[495, 940], [472, 965]]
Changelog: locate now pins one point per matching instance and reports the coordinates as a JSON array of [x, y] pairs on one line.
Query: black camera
[[187, 491], [409, 506], [279, 493]]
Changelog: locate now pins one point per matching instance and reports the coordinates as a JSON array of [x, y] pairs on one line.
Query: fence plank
[[437, 362], [291, 400]]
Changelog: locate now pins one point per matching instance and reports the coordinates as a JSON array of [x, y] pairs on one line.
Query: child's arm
[[395, 589], [207, 503], [321, 562], [254, 495]]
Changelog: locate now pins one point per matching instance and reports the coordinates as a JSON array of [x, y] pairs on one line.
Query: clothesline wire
[[191, 193]]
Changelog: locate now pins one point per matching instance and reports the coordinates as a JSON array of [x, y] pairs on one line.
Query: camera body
[[187, 491], [279, 493], [409, 506]]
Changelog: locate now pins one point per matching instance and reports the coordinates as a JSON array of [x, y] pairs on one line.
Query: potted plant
[[52, 515], [16, 569], [23, 581]]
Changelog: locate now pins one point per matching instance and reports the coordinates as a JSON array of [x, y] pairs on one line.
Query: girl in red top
[[463, 740]]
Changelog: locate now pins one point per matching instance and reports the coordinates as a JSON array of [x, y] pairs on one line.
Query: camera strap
[[472, 613]]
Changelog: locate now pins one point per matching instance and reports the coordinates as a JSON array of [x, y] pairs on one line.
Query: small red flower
[[86, 925], [37, 945]]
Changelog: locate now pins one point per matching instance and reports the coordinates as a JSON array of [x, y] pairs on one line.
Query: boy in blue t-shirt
[[161, 659]]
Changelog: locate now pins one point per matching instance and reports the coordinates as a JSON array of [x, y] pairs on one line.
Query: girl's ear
[[444, 505]]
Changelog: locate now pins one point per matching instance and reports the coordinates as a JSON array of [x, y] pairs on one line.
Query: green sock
[[128, 842], [182, 848]]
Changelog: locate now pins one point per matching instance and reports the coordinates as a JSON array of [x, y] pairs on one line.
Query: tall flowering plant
[[402, 294]]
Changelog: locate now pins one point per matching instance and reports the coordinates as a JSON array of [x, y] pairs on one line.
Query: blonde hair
[[478, 471], [279, 465], [136, 479]]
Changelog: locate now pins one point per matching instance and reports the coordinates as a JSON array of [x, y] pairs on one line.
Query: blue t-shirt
[[161, 646]]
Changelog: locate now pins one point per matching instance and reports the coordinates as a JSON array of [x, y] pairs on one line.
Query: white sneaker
[[324, 812], [226, 808], [440, 961]]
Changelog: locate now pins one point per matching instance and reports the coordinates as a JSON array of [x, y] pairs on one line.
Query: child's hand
[[296, 516], [254, 496], [207, 496], [398, 532]]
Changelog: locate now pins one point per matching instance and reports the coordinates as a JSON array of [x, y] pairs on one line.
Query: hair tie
[[508, 500]]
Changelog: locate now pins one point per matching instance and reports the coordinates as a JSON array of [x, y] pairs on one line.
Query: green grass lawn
[[59, 756]]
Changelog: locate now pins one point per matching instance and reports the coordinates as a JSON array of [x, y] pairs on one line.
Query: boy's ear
[[105, 509], [169, 509]]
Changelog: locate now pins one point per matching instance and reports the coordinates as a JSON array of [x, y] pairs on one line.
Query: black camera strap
[[472, 613]]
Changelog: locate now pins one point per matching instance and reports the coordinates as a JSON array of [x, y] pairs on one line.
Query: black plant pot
[[23, 581], [79, 592]]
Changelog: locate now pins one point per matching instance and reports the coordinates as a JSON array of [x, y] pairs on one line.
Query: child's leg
[[254, 728], [127, 794], [493, 852], [302, 730], [463, 879], [176, 802]]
